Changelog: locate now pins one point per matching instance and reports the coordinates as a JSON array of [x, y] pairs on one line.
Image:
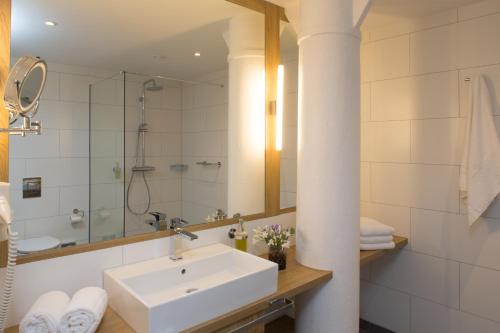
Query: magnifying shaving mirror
[[22, 94]]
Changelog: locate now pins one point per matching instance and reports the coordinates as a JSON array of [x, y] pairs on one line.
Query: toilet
[[30, 245]]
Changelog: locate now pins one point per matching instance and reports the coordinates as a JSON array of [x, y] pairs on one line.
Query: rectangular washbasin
[[161, 295]]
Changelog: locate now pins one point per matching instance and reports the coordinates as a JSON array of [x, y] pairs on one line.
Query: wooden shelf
[[295, 280]]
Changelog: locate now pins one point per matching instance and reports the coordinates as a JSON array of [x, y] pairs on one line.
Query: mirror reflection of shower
[[141, 166]]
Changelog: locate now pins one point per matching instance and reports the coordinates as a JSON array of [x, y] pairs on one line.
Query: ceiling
[[385, 12], [146, 36], [158, 36]]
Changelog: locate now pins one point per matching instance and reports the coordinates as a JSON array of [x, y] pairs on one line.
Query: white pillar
[[246, 114], [328, 163]]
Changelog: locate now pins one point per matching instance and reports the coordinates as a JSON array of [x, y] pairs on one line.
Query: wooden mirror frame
[[273, 15]]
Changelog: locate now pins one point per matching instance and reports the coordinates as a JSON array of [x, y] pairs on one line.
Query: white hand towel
[[84, 311], [45, 314], [372, 227], [376, 239], [381, 246], [480, 169]]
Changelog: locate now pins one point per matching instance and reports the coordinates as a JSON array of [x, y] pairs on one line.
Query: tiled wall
[[288, 167], [70, 273], [163, 149], [204, 138], [59, 156], [413, 108]]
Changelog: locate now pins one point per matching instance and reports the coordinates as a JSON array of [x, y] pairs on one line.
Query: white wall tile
[[393, 313], [59, 227], [365, 182], [396, 217], [35, 146], [365, 101], [429, 317], [414, 185], [388, 58], [75, 88], [437, 141], [475, 41], [421, 275], [480, 291], [17, 171], [388, 141], [74, 143], [478, 9], [448, 235], [415, 97], [29, 208], [72, 197], [434, 50]]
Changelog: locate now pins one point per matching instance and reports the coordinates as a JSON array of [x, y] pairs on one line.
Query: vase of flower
[[278, 255], [277, 239]]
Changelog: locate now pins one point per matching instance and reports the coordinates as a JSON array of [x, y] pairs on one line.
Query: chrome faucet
[[176, 225], [160, 221]]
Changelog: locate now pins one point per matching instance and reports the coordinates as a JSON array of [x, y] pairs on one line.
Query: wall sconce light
[[279, 108]]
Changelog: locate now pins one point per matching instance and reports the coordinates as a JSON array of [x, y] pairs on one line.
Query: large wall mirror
[[288, 158], [161, 110]]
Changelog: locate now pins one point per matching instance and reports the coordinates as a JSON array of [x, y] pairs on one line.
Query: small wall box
[[32, 187]]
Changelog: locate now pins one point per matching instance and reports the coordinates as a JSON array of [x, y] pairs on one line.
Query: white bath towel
[[480, 169], [376, 239], [372, 227], [380, 246], [45, 314], [84, 311]]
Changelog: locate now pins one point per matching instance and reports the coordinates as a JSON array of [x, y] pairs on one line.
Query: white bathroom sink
[[161, 295]]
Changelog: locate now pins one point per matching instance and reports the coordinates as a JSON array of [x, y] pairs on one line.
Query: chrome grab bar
[[206, 164], [277, 308]]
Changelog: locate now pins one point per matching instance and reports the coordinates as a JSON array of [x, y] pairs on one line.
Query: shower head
[[151, 85]]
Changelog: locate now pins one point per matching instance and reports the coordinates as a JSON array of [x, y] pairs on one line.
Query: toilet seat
[[31, 245]]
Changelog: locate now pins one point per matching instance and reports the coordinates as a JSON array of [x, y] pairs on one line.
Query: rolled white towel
[[372, 227], [84, 311], [380, 246], [45, 314], [376, 239]]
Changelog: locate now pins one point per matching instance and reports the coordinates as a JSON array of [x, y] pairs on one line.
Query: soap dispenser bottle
[[241, 236]]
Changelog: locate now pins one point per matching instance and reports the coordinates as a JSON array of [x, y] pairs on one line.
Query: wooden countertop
[[295, 280]]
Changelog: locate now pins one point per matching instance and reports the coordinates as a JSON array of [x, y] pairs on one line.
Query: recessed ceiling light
[[197, 54], [51, 23]]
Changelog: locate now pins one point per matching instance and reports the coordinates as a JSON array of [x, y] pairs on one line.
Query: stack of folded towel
[[55, 312], [375, 235]]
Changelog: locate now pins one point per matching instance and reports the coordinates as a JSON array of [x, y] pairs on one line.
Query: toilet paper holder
[[77, 215]]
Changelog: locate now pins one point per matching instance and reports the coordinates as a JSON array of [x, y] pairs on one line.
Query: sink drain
[[190, 290]]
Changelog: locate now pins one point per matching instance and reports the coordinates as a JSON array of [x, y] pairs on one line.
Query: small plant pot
[[278, 255]]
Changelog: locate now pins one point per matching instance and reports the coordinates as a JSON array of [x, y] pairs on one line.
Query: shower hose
[[131, 181], [9, 278]]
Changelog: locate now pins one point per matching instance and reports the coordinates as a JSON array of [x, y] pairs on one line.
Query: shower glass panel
[[107, 158]]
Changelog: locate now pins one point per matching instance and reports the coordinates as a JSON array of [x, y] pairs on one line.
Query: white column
[[328, 163], [246, 114]]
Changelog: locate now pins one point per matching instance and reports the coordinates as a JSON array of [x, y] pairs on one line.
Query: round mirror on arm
[[22, 93]]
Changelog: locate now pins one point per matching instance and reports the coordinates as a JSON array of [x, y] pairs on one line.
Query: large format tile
[[388, 141], [434, 50], [429, 317], [388, 58], [385, 307], [475, 41], [415, 97], [437, 141], [421, 275], [480, 291], [448, 235], [396, 217]]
